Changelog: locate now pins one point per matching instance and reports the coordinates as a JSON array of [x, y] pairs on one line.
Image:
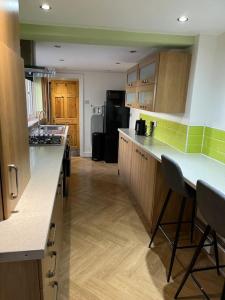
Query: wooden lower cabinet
[[147, 183], [125, 149], [143, 180], [36, 279]]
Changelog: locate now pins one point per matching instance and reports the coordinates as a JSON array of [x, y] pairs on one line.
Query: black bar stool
[[211, 204], [175, 180]]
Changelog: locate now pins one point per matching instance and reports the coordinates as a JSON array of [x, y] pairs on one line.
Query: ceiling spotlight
[[45, 6], [117, 63], [57, 46], [182, 19], [132, 51]]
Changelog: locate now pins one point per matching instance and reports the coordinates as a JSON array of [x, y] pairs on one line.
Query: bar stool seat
[[174, 178], [211, 205]]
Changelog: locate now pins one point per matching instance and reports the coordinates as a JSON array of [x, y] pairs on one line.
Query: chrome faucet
[[43, 113]]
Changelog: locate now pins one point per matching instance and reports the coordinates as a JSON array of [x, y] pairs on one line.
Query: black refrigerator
[[116, 115]]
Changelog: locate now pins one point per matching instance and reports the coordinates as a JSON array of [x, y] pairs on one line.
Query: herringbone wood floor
[[105, 248]]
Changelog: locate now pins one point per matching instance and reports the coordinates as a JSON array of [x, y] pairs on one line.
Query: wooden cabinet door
[[65, 108], [125, 150], [172, 82], [146, 97], [148, 68], [132, 76], [136, 173], [9, 24], [147, 185], [13, 125]]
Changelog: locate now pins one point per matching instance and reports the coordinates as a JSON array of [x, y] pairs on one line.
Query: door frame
[[76, 77]]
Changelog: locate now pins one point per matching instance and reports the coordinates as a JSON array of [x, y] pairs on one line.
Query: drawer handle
[[55, 286], [51, 273], [11, 168], [51, 242]]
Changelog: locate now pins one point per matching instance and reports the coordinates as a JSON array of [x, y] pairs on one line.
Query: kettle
[[140, 127]]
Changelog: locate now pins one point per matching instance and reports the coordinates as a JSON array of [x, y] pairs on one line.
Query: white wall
[[202, 80], [216, 111], [95, 86]]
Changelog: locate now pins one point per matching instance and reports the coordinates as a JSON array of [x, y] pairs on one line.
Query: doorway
[[65, 109]]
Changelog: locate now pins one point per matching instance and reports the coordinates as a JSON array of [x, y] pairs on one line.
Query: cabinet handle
[[51, 242], [54, 285], [51, 273], [11, 168]]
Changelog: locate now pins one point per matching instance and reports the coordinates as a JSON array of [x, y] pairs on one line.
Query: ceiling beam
[[101, 36]]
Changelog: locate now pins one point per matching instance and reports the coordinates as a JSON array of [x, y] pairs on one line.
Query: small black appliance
[[140, 127]]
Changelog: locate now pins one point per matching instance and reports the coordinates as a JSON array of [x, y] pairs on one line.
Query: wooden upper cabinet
[[172, 82], [9, 24], [148, 69], [132, 77], [162, 82], [13, 126]]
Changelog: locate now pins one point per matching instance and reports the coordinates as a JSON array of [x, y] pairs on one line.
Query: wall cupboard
[[15, 164], [14, 147], [160, 83], [143, 175], [37, 279]]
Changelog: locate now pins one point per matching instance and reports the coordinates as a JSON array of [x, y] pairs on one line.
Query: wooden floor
[[105, 249]]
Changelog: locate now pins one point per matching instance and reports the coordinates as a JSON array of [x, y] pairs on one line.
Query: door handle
[[11, 168]]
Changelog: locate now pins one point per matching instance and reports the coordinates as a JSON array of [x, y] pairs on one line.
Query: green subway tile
[[169, 132], [194, 148], [195, 130], [195, 139], [215, 133]]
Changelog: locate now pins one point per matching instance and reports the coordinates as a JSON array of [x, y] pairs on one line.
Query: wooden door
[[65, 107], [13, 125]]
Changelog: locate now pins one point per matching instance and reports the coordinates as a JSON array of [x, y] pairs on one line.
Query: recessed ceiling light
[[182, 19], [61, 59], [132, 51], [117, 63], [45, 6], [57, 46]]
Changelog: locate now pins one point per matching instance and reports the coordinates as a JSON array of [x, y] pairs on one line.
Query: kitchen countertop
[[24, 235], [194, 166]]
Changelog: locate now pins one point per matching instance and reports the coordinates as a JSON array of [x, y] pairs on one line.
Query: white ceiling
[[206, 16], [88, 57]]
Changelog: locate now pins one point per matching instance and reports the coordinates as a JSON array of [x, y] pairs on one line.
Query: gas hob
[[45, 140]]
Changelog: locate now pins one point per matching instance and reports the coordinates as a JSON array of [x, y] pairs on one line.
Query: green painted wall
[[100, 36]]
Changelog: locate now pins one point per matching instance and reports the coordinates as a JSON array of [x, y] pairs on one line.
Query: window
[[33, 98]]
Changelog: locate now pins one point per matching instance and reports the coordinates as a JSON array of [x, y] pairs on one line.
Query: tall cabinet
[[14, 147]]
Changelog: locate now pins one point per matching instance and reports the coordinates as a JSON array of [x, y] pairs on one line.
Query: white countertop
[[24, 235], [194, 166]]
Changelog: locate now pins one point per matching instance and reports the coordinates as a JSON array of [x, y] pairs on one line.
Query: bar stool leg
[[177, 236], [194, 258], [160, 216], [193, 219], [216, 251]]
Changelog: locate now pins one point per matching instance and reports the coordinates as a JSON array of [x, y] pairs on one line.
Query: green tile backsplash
[[195, 139], [214, 143], [191, 139], [172, 133]]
